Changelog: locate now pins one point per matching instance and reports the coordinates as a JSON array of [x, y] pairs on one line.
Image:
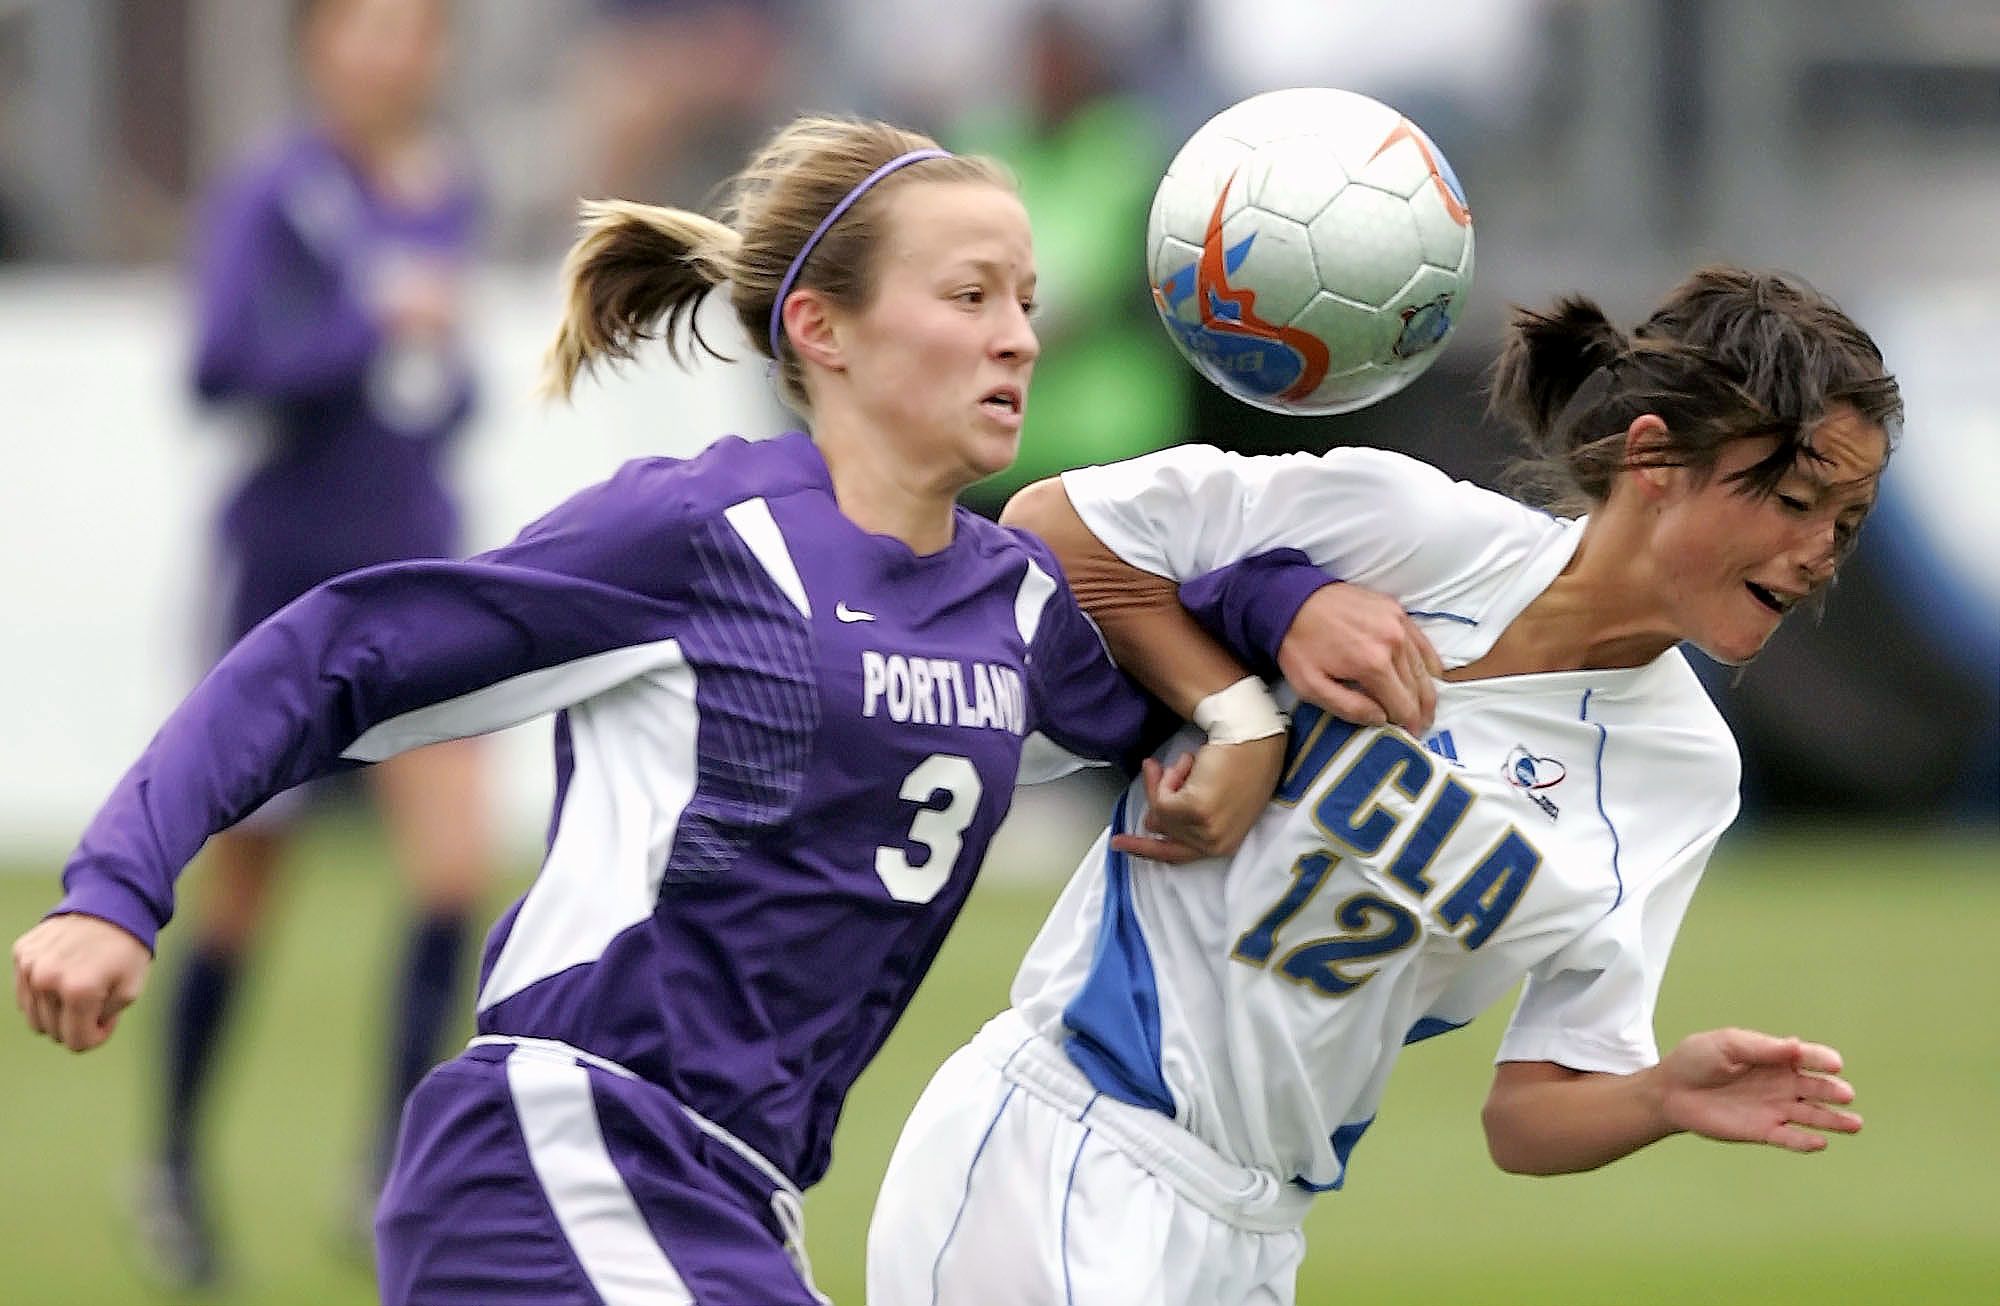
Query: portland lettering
[[942, 692]]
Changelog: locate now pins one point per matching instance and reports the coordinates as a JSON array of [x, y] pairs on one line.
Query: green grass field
[[1878, 943]]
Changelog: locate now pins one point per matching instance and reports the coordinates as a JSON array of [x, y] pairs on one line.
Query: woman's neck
[[1602, 612], [882, 493]]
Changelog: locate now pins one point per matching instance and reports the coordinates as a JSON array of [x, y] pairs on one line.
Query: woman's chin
[[993, 453], [1733, 652]]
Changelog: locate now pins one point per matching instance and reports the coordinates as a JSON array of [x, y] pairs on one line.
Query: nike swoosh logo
[[845, 613]]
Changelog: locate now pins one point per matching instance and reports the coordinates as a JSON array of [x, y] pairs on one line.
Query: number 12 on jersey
[[1374, 926]]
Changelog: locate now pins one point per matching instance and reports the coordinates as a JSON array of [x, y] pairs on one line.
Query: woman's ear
[[811, 325], [1647, 446]]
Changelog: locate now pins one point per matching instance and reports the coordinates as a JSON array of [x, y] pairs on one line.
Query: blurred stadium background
[[1607, 146]]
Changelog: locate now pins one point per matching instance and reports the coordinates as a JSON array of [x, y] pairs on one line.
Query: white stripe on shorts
[[596, 1211]]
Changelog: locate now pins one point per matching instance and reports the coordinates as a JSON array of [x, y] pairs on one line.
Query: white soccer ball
[[1310, 250]]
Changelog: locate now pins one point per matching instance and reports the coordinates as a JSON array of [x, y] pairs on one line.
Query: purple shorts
[[529, 1173]]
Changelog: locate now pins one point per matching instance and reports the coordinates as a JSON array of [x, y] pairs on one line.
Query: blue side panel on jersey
[[1430, 1027], [1344, 1139], [1114, 1019]]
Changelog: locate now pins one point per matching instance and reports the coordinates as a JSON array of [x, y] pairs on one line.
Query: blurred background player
[[332, 277]]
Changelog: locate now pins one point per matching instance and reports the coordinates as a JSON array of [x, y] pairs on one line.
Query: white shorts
[[1015, 1183]]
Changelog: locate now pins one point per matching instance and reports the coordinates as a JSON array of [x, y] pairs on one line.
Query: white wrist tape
[[1240, 713]]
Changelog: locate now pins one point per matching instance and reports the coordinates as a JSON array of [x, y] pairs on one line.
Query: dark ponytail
[[1730, 354], [1547, 358]]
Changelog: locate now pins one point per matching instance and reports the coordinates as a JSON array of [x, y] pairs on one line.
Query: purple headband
[[805, 250]]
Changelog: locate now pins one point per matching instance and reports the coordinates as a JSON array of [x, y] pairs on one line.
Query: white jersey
[[1552, 826]]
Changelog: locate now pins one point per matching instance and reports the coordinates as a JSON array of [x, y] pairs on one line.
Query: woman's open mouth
[[1778, 603]]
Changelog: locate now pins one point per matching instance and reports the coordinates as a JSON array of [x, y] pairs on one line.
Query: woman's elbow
[[1501, 1143], [1510, 1140]]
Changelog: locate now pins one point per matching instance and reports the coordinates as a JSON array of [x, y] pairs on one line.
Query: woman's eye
[[1794, 503], [971, 296], [1030, 307]]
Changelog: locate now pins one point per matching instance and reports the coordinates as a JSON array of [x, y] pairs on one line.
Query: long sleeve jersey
[[783, 744]]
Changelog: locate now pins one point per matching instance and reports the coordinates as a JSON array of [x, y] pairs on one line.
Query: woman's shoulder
[[1411, 485], [728, 471]]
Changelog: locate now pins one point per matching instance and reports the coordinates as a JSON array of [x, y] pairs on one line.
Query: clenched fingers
[[24, 996], [79, 1024]]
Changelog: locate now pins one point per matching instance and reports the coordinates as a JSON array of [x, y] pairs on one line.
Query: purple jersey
[[296, 251], [784, 744]]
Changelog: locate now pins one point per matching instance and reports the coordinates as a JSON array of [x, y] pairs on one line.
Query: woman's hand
[[1204, 802], [74, 975], [1357, 654], [1740, 1086]]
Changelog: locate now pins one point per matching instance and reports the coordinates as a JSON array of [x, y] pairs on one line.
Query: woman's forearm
[[1148, 631], [1546, 1119]]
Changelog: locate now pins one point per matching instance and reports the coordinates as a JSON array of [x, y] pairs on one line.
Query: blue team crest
[[1424, 325]]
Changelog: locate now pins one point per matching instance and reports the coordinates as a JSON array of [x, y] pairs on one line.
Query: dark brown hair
[[639, 272], [1730, 354]]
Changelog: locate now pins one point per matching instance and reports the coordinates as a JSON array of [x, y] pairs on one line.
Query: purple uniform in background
[[297, 256], [784, 744]]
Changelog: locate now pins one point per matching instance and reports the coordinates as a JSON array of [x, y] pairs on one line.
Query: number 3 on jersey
[[939, 830]]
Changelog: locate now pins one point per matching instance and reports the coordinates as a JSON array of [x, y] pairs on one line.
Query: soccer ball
[[1309, 250]]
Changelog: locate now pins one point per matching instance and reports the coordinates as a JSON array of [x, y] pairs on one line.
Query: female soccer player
[[795, 686], [1191, 1056], [329, 279]]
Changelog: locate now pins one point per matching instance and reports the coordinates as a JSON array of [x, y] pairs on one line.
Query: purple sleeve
[[1249, 604], [394, 653], [275, 320], [1079, 697]]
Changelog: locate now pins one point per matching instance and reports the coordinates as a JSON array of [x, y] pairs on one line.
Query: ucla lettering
[[1352, 812], [1385, 787]]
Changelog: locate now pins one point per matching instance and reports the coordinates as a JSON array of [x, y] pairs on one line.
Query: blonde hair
[[638, 272]]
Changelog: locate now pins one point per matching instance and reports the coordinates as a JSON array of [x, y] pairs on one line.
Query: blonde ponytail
[[637, 272]]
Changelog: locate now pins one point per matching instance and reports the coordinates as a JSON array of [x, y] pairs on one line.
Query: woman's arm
[[1147, 630], [1733, 1085], [1347, 649], [1206, 802], [363, 667]]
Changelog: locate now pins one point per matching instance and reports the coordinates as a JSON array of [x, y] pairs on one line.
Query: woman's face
[[1735, 563], [376, 65], [939, 358]]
